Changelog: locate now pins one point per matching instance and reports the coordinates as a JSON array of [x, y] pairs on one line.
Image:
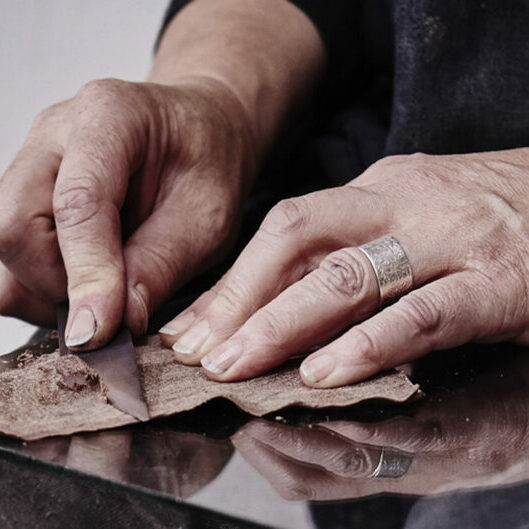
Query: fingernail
[[221, 359], [82, 328], [192, 339], [179, 325], [317, 368], [142, 295], [140, 292]]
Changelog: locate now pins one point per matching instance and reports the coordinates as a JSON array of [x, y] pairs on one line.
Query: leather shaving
[[60, 395]]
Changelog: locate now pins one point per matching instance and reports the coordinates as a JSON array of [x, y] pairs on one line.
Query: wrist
[[267, 54], [218, 92]]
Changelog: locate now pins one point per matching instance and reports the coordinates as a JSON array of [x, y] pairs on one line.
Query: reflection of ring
[[391, 266], [392, 464]]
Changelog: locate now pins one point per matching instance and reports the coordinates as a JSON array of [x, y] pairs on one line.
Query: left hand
[[463, 221], [455, 439]]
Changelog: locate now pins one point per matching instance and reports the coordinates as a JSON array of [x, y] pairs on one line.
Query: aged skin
[[463, 222], [166, 164], [227, 77], [457, 440]]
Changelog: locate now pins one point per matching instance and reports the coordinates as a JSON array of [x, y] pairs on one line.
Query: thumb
[[89, 192]]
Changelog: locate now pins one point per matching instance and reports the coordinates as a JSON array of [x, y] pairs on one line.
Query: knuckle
[[17, 228], [13, 226], [99, 90], [413, 435], [47, 116], [76, 205], [408, 171], [217, 220], [342, 274], [162, 263], [350, 461], [366, 350], [490, 210], [427, 436], [102, 106], [274, 327], [390, 161], [292, 489], [419, 157], [232, 296], [287, 217], [508, 307], [423, 311], [83, 278], [419, 173]]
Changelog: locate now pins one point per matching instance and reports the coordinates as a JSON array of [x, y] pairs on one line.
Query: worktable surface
[[216, 466]]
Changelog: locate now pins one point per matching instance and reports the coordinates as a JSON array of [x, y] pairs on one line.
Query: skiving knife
[[116, 365]]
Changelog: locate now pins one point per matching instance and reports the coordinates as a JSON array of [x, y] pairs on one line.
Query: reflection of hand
[[104, 454], [463, 221], [471, 439], [304, 463], [176, 463], [141, 161]]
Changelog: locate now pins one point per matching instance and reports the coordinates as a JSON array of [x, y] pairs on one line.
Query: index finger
[[90, 189]]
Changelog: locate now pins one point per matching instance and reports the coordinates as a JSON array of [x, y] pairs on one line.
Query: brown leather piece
[[38, 398]]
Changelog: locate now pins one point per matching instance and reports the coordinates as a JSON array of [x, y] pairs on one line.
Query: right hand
[[118, 197]]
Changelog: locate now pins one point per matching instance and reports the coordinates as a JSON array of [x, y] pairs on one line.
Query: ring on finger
[[391, 265], [392, 464]]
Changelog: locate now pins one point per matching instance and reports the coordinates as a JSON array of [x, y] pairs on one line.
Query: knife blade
[[116, 365]]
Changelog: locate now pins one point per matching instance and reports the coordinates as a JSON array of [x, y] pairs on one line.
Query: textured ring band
[[391, 265], [392, 464]]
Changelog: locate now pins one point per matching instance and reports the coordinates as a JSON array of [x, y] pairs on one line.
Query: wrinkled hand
[[336, 460], [303, 463], [463, 222], [465, 439], [118, 197]]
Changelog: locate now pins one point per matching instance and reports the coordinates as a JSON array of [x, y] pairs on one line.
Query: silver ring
[[392, 464], [391, 265]]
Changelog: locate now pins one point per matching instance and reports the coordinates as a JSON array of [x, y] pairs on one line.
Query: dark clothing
[[435, 76], [417, 75], [440, 77]]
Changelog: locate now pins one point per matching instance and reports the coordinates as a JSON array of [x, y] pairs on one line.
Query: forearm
[[266, 52]]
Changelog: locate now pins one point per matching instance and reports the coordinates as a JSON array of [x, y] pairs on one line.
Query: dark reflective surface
[[467, 440]]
